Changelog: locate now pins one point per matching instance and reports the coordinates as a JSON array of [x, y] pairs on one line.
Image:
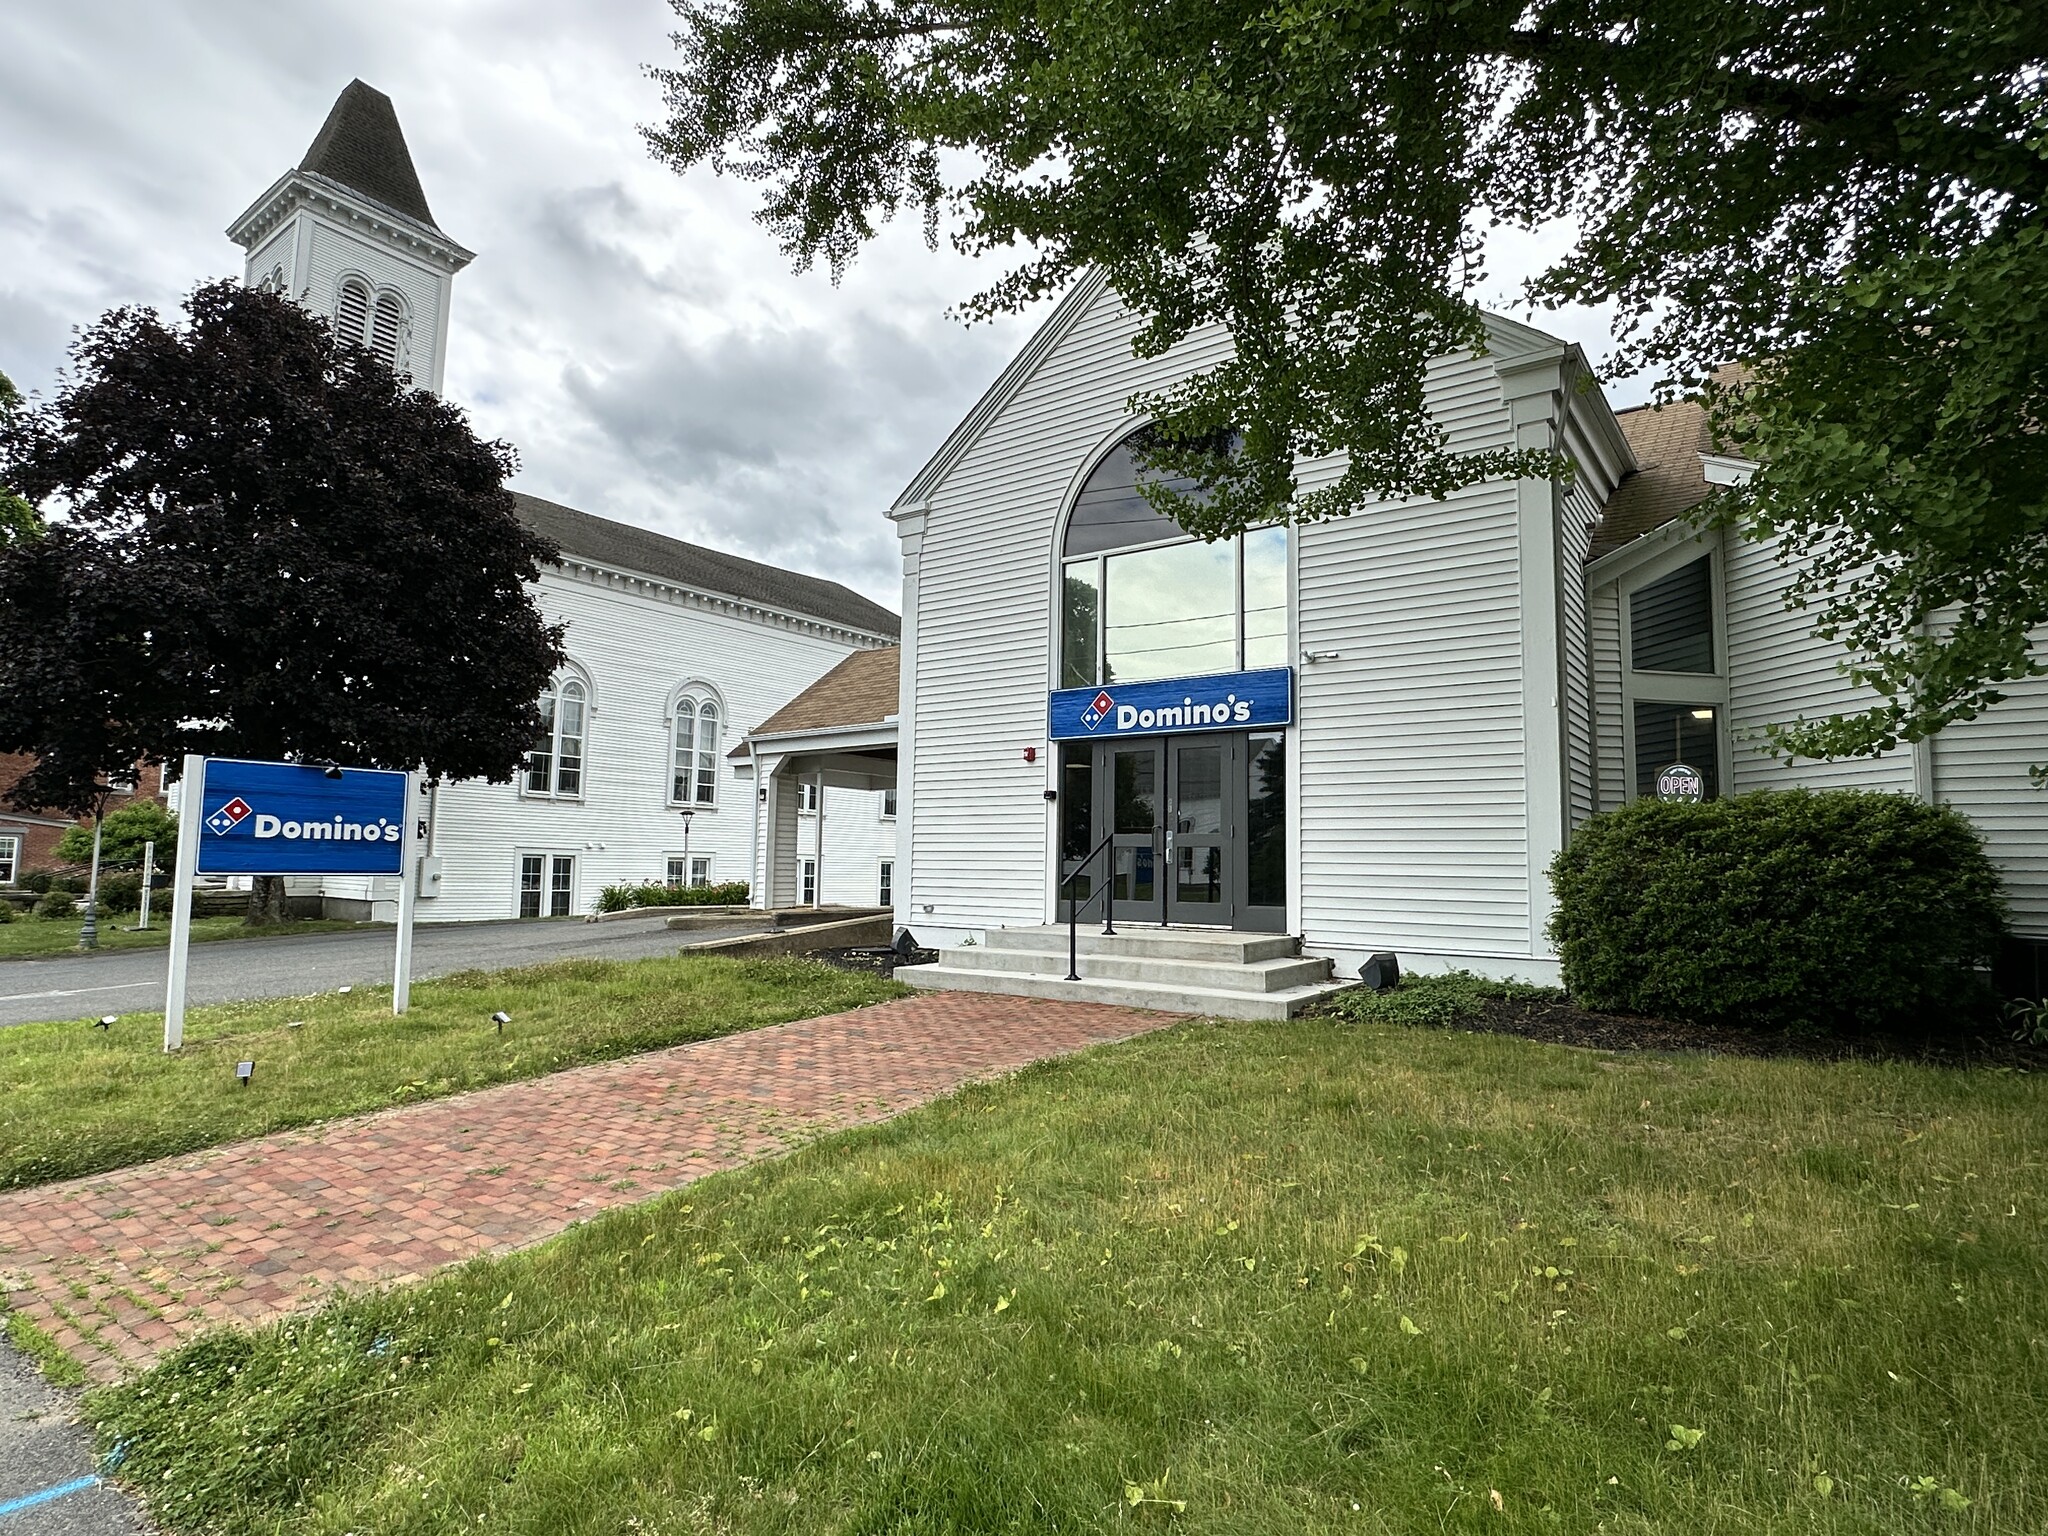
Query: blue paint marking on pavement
[[44, 1495]]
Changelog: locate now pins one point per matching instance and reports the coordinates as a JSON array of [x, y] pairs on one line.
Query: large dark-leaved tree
[[260, 542], [1852, 197]]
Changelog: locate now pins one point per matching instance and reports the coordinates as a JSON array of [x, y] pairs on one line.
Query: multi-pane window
[[888, 805], [693, 764], [885, 892], [1140, 599], [810, 883], [806, 795], [547, 884], [693, 871], [555, 765], [1675, 691], [10, 860]]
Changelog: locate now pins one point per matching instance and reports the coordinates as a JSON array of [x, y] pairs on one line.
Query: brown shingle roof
[[1668, 441], [360, 146], [861, 690], [705, 570]]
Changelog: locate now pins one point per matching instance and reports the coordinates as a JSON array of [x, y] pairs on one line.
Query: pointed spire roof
[[361, 147]]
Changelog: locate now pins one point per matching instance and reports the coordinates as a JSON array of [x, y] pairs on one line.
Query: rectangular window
[[530, 869], [1170, 612], [10, 860], [1266, 823], [1670, 735], [1265, 598], [885, 892], [888, 805], [678, 873], [806, 795], [1671, 621], [1080, 611], [540, 762], [810, 893], [561, 885], [569, 766], [686, 752], [700, 869], [1077, 813]]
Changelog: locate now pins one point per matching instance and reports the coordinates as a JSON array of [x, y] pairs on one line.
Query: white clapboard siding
[[1779, 672], [335, 252], [638, 648], [980, 828], [1575, 540], [1980, 767]]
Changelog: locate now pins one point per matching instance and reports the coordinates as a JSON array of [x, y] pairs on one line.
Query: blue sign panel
[[291, 819], [1226, 701]]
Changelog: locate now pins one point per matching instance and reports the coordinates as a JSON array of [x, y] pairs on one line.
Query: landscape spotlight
[[108, 1022], [1382, 973], [905, 944], [344, 991], [501, 1019], [332, 770], [244, 1070]]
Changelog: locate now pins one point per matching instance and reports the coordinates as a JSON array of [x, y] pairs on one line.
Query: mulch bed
[[872, 960], [1562, 1022]]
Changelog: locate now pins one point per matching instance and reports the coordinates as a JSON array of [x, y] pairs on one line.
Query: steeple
[[348, 233]]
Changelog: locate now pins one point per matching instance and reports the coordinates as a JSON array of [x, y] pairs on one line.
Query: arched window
[[693, 761], [1141, 599], [387, 327], [556, 764], [352, 310]]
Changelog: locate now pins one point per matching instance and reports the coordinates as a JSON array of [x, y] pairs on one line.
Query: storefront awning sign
[[1223, 701]]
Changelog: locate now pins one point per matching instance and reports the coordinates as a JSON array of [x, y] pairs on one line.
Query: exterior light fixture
[[501, 1019], [905, 944], [1031, 754], [331, 770], [343, 991], [1381, 973], [244, 1070], [108, 1021]]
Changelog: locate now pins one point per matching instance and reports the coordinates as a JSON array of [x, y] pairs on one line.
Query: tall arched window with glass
[[1140, 599], [693, 779], [555, 766]]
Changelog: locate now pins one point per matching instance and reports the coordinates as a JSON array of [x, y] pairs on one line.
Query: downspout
[[755, 895]]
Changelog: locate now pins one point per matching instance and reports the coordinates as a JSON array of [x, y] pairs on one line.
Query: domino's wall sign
[[291, 819], [1222, 701]]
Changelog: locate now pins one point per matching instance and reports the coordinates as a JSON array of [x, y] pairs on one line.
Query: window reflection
[[1265, 598], [1078, 617], [1170, 612]]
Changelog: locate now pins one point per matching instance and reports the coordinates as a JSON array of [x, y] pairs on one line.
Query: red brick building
[[28, 839]]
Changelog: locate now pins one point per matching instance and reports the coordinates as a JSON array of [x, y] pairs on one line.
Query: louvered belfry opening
[[352, 311], [387, 328]]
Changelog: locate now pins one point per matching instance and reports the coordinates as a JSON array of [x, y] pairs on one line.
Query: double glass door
[[1182, 814]]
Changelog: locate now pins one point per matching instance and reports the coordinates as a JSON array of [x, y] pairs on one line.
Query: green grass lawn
[[74, 1100], [1307, 1277], [29, 936]]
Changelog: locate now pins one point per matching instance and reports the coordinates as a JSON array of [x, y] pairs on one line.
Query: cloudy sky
[[635, 334]]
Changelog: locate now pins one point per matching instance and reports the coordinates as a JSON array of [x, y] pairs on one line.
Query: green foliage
[[1856, 191], [1845, 911], [7, 913], [1434, 1001], [120, 893], [18, 520], [1181, 1264], [38, 880], [621, 898], [123, 836], [57, 904]]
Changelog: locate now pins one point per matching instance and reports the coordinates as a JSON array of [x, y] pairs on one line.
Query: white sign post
[[148, 874], [408, 889], [191, 793]]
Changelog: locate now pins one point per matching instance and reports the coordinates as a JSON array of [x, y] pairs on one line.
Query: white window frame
[[888, 810], [10, 858], [551, 709], [547, 857], [885, 883], [807, 883], [709, 862], [808, 796], [1697, 688], [687, 706]]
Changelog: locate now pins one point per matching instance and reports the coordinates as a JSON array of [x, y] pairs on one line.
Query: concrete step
[[1202, 1001], [1155, 943], [1275, 975]]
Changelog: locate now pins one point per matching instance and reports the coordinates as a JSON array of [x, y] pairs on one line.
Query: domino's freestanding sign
[[252, 818]]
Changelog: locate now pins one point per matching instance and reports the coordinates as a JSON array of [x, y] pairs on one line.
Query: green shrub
[[121, 892], [57, 904], [620, 898], [6, 913], [1434, 1001], [1845, 911], [37, 880]]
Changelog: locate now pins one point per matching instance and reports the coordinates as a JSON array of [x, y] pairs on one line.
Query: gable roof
[[1669, 479], [361, 147], [625, 547], [861, 690]]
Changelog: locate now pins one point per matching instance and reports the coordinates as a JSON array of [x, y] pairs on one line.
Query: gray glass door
[[1134, 783], [1202, 883]]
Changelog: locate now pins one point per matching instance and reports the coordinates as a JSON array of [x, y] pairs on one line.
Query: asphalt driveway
[[233, 970]]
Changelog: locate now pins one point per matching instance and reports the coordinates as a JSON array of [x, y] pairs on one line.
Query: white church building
[[675, 652]]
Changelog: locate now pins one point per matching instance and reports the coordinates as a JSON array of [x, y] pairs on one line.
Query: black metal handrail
[[1074, 908]]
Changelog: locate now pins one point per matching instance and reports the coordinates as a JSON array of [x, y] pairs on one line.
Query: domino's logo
[[229, 816], [1098, 709]]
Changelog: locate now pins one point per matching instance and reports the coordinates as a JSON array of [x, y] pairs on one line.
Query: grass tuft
[[58, 1368]]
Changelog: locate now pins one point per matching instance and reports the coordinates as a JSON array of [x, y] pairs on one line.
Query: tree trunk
[[267, 901]]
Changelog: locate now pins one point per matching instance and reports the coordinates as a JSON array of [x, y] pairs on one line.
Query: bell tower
[[348, 233]]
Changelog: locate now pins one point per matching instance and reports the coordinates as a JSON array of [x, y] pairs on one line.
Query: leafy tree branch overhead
[[1850, 198]]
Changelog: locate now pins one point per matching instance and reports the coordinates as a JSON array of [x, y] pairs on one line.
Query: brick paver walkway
[[122, 1266]]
